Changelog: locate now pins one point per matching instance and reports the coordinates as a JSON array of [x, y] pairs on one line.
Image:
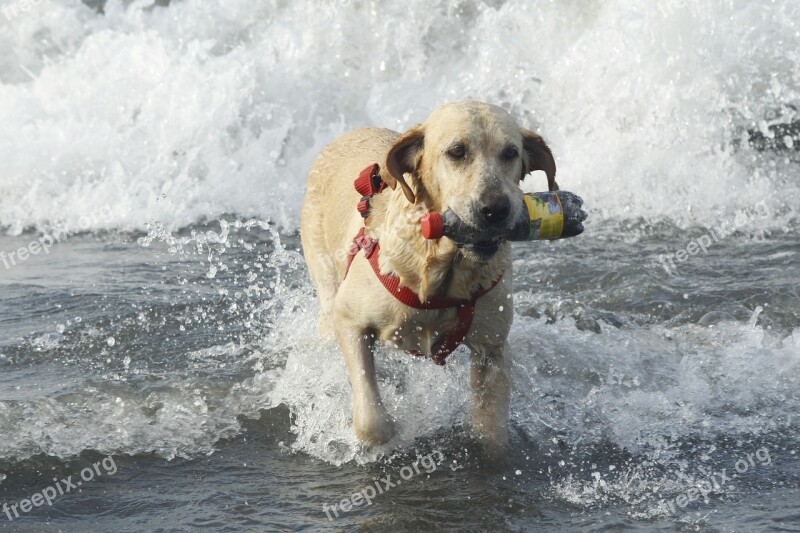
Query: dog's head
[[470, 157]]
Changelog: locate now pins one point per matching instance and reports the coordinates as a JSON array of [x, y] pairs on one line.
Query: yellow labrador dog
[[469, 157]]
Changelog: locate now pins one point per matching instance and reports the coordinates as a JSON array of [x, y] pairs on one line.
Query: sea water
[[153, 167]]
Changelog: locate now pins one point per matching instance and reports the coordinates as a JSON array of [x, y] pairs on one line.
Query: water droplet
[[518, 472], [111, 341]]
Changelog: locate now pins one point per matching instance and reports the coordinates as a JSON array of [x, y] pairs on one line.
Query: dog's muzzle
[[483, 250], [482, 242]]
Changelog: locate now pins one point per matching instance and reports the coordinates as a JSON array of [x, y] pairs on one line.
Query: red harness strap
[[367, 185]]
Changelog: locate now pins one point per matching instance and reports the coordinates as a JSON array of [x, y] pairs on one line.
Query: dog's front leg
[[371, 422], [491, 392]]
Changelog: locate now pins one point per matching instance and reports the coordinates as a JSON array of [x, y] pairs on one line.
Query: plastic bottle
[[547, 216]]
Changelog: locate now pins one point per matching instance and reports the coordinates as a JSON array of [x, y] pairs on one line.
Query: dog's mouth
[[480, 243], [482, 249]]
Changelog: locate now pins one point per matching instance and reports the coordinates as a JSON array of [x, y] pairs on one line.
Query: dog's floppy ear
[[537, 156], [403, 157]]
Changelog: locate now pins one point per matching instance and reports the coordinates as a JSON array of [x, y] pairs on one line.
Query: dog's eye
[[457, 151], [510, 153]]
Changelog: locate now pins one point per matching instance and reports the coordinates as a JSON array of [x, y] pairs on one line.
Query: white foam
[[633, 388], [183, 113]]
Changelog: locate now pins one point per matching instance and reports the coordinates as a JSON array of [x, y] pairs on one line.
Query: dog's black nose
[[495, 210]]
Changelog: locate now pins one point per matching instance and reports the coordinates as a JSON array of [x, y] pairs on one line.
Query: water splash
[[679, 111]]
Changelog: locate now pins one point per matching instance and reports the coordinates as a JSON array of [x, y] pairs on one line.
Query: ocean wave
[[180, 113]]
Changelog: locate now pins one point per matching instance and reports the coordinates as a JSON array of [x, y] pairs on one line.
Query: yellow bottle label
[[546, 214]]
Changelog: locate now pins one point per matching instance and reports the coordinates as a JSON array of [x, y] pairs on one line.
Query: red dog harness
[[369, 183]]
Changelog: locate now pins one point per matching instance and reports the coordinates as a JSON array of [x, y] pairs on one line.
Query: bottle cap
[[432, 225]]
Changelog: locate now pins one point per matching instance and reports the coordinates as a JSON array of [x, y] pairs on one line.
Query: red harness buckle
[[368, 183], [363, 206]]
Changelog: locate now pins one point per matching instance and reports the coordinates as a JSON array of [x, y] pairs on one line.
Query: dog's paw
[[493, 440], [494, 450], [374, 430]]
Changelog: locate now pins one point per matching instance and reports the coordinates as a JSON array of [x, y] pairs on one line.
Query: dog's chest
[[418, 330]]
